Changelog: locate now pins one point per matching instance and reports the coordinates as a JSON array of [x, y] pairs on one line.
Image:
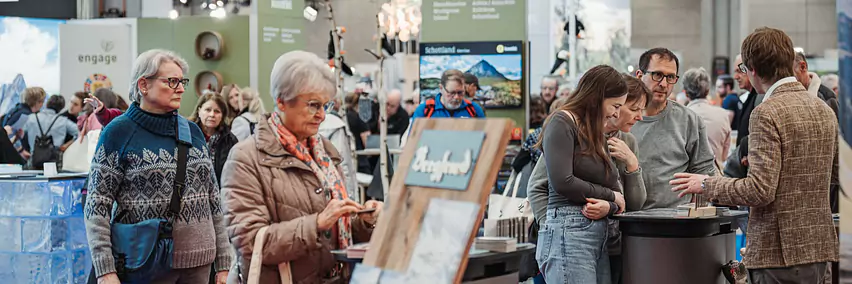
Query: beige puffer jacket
[[264, 185]]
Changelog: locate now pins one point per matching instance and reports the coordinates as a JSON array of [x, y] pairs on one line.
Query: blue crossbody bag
[[143, 250]]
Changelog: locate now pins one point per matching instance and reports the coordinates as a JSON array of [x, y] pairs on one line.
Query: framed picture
[[498, 66]]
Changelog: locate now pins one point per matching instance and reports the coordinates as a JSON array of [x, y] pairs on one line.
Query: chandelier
[[400, 19]]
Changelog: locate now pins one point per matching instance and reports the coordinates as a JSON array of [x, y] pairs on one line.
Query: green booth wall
[[476, 20], [179, 35]]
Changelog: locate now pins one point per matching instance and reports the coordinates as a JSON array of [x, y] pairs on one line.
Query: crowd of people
[[232, 172], [636, 148]]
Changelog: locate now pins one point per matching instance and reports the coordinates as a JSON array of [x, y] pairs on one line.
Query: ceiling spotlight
[[218, 13], [183, 1], [220, 3], [173, 14], [204, 5], [212, 6], [310, 13]]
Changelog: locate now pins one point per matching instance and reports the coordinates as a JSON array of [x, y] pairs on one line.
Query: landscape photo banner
[[473, 20], [93, 57], [498, 66], [29, 56]]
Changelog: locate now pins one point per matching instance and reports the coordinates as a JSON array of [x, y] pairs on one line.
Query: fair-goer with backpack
[[46, 132], [251, 108], [32, 99], [449, 103]]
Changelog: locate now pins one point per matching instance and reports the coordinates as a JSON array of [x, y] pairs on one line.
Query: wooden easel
[[398, 229]]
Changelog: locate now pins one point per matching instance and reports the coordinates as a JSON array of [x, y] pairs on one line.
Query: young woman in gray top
[[584, 186]]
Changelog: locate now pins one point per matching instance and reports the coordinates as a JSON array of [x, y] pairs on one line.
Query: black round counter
[[661, 248]]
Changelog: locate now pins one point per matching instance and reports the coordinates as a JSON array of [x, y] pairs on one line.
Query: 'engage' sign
[[445, 159]]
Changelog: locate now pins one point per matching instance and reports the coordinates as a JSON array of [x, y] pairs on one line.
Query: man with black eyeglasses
[[671, 138]]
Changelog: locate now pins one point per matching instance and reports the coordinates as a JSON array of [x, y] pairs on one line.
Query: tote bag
[[504, 209], [257, 260]]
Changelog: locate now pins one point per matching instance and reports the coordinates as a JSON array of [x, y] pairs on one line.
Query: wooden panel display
[[396, 234]]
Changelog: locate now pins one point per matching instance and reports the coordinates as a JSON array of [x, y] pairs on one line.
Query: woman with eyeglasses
[[584, 187], [287, 178], [135, 168], [210, 114]]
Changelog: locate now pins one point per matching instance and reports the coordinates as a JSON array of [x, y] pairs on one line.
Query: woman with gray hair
[[155, 167], [717, 122], [286, 178]]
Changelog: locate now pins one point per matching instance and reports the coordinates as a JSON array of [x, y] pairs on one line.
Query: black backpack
[[251, 124], [43, 151]]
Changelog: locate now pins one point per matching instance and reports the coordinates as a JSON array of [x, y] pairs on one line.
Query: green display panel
[[276, 36], [179, 36], [473, 20]]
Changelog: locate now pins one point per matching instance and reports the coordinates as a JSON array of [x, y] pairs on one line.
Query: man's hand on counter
[[688, 183]]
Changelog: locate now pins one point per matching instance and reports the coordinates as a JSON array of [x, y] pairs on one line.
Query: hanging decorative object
[[400, 19]]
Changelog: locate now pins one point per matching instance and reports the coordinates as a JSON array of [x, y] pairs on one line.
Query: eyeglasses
[[315, 106], [658, 77], [742, 68], [459, 93], [173, 82]]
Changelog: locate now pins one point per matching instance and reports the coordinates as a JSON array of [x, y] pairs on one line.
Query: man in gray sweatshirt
[[671, 138]]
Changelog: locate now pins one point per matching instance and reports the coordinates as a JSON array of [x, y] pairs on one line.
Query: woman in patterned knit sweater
[[134, 167]]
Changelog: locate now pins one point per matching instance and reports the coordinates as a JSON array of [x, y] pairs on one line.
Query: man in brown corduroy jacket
[[791, 232]]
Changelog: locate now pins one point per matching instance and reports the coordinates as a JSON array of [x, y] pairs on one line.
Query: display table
[[44, 235], [482, 266], [661, 248]]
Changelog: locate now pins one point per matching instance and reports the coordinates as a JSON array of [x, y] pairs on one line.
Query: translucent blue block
[[32, 199], [77, 233], [82, 266], [62, 195], [37, 198], [7, 262], [44, 234], [10, 239], [54, 268], [76, 187]]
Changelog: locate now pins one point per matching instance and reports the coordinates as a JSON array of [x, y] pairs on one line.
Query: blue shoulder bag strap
[[184, 140]]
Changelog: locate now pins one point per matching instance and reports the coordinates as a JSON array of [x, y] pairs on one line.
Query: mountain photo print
[[500, 72]]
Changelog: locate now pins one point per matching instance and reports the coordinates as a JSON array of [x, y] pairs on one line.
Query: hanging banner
[[29, 56], [93, 57]]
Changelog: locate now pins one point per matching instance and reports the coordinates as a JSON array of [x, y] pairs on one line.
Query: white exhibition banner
[[93, 57]]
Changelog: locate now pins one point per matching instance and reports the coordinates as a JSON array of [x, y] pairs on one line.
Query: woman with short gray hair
[[137, 166], [287, 177], [696, 83], [717, 122]]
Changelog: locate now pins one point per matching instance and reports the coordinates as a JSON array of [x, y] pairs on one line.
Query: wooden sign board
[[396, 235]]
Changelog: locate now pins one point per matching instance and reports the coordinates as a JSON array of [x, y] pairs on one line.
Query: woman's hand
[[110, 278], [97, 105], [222, 277], [619, 200], [619, 150], [596, 209], [372, 217], [334, 210]]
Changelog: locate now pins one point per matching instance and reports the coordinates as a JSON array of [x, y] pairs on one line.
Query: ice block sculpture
[[42, 232]]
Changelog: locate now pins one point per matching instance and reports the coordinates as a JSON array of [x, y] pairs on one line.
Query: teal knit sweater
[[134, 168]]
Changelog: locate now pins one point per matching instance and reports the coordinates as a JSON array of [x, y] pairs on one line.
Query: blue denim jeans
[[572, 248]]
